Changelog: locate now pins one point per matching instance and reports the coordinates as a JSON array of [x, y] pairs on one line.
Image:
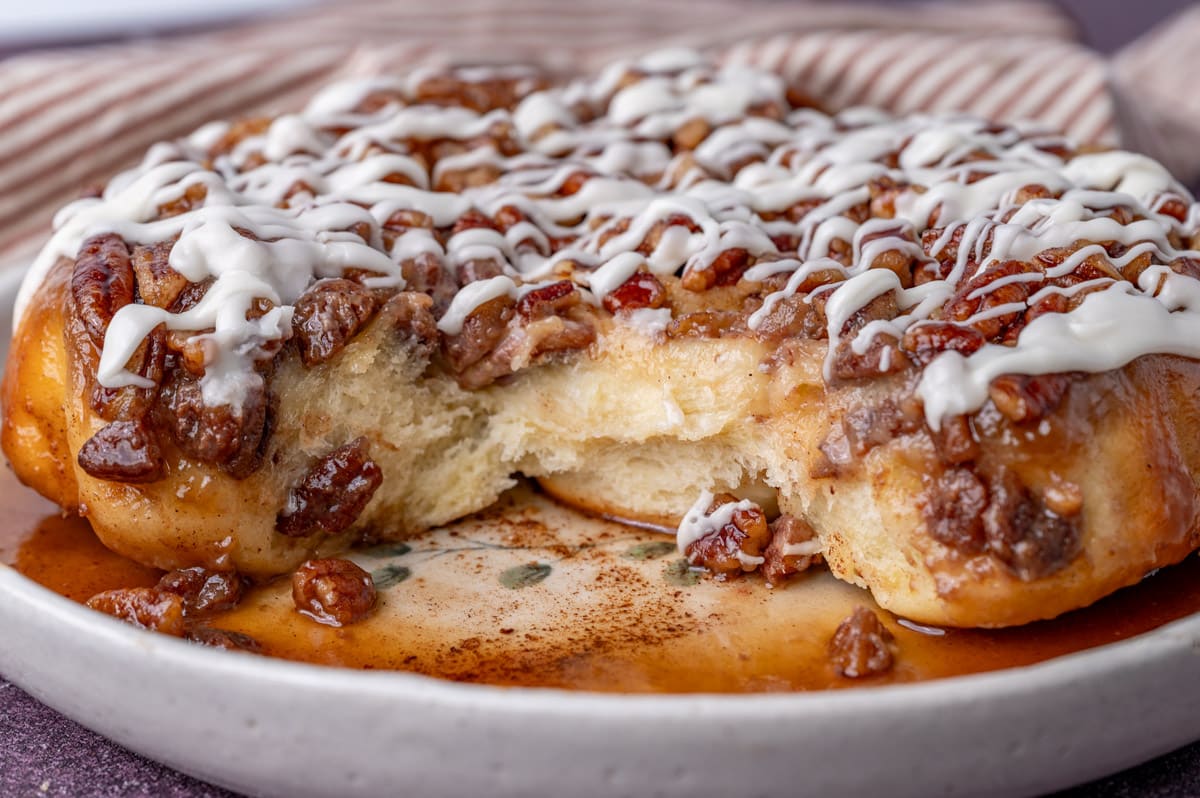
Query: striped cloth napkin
[[72, 117]]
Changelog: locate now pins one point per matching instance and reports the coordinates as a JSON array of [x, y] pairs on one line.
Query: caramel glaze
[[652, 639]]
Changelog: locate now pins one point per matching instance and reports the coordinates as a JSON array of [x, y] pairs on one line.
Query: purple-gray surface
[[45, 754]]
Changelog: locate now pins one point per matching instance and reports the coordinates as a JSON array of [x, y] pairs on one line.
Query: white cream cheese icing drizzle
[[595, 168]]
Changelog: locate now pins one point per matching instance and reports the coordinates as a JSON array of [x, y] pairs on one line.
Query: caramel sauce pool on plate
[[532, 594]]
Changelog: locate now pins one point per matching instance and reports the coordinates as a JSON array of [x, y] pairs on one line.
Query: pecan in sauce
[[793, 548], [143, 607], [224, 639], [332, 494], [734, 546], [974, 514], [334, 592], [133, 402], [203, 590], [862, 646], [481, 331], [502, 335], [123, 451]]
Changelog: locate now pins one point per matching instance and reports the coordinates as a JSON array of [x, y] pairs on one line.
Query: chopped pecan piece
[[977, 299], [191, 295], [228, 437], [793, 548], [884, 193], [691, 133], [872, 425], [927, 340], [1174, 206], [203, 590], [482, 95], [707, 324], [472, 220], [408, 219], [481, 332], [862, 646], [149, 360], [328, 315], [642, 290], [726, 269], [223, 638], [883, 354], [123, 451], [332, 494], [458, 180], [1188, 267], [955, 441], [659, 229], [735, 541], [425, 274], [334, 592], [953, 510], [792, 317], [833, 454], [1032, 540], [523, 344], [548, 300], [143, 607], [157, 283], [476, 269], [410, 314], [101, 284], [1025, 398], [502, 336], [942, 260]]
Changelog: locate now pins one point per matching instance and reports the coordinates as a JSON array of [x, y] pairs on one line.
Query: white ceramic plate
[[270, 727]]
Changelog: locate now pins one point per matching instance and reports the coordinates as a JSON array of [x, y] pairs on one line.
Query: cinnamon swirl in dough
[[955, 360]]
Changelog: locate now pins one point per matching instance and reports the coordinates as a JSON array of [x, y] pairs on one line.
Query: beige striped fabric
[[72, 117], [1156, 85]]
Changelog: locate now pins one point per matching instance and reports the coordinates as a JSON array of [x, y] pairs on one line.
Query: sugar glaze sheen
[[280, 210]]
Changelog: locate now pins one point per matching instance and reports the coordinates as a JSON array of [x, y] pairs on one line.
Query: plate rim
[[1011, 732]]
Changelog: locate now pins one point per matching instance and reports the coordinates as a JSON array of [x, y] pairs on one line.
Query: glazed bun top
[[950, 245]]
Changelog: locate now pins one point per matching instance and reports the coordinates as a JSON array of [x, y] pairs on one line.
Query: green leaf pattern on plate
[[389, 550], [390, 576], [520, 576], [650, 550], [680, 573]]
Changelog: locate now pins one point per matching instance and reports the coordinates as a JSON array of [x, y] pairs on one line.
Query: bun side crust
[[34, 431], [592, 428]]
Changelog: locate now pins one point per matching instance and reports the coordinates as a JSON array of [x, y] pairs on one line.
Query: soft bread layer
[[636, 431], [445, 452]]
